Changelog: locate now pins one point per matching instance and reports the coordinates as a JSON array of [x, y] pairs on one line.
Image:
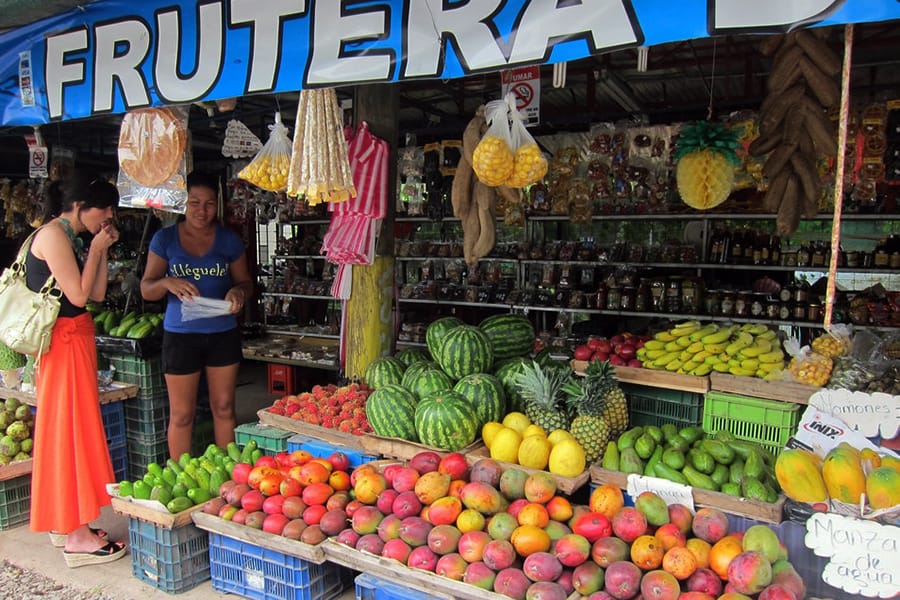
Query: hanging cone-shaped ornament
[[707, 156]]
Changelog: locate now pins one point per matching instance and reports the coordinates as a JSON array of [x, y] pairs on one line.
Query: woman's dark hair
[[203, 179], [91, 191]]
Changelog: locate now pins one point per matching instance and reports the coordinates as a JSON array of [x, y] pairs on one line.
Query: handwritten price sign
[[865, 556]]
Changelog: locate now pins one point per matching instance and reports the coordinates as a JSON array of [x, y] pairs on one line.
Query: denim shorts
[[186, 353]]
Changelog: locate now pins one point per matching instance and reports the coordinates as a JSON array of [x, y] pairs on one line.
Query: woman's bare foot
[[84, 540]]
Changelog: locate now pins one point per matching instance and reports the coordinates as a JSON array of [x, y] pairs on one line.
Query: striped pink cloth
[[353, 231]]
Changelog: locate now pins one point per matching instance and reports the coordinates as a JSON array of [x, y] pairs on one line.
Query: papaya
[[883, 487], [892, 462], [843, 475], [870, 459], [798, 473]]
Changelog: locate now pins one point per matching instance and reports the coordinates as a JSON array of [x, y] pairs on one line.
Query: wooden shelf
[[306, 296], [118, 392], [785, 391], [331, 365]]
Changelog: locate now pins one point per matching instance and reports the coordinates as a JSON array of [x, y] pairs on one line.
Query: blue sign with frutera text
[[111, 56]]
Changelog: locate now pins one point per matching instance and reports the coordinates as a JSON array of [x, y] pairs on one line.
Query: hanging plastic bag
[[493, 160], [269, 168], [807, 366], [530, 164], [835, 342], [204, 308], [153, 145]]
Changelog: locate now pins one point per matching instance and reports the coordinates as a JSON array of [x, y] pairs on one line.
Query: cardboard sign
[[669, 491], [864, 556], [819, 432], [873, 415]]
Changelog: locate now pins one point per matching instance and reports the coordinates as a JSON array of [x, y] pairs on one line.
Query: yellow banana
[[673, 346], [745, 336], [687, 325], [685, 355], [758, 347], [721, 367], [774, 375], [717, 337], [702, 355], [702, 370], [683, 342], [664, 360], [741, 372], [713, 359], [769, 367], [751, 364], [654, 345], [755, 328], [733, 362], [736, 346], [716, 348], [703, 332], [690, 366], [775, 356], [767, 335], [663, 336], [654, 354], [680, 332], [674, 365], [696, 347]]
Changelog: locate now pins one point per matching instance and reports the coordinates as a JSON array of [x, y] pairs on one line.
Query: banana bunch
[[692, 348]]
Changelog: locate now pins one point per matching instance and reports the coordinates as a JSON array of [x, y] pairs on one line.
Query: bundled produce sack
[[269, 168], [530, 166], [152, 159], [493, 159]]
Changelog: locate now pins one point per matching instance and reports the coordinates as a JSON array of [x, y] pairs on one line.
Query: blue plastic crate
[[323, 449], [15, 501], [250, 571], [118, 453], [369, 587], [113, 414], [172, 560]]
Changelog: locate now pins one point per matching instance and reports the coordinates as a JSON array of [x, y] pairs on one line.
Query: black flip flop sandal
[[108, 553]]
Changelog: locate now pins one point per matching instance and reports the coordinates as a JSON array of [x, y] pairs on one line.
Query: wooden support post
[[369, 322]]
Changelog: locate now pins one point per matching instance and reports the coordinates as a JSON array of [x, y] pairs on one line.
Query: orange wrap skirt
[[71, 458]]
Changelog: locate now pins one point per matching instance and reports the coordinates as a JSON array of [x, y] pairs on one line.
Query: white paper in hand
[[204, 308]]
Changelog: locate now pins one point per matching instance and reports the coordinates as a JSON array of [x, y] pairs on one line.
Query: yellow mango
[[843, 474], [883, 487], [798, 473]]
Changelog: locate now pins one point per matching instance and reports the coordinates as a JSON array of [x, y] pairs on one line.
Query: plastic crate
[[271, 440], [369, 587], [113, 415], [250, 571], [202, 436], [766, 422], [141, 454], [118, 453], [323, 449], [146, 373], [657, 406], [15, 501], [172, 560]]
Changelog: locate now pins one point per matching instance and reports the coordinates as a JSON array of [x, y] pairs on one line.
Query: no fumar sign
[[525, 85]]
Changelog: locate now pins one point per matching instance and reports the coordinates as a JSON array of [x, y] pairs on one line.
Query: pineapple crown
[[708, 135], [541, 384]]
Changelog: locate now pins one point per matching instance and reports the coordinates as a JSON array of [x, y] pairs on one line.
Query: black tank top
[[36, 273]]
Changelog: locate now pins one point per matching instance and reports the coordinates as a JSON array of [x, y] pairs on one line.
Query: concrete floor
[[34, 551]]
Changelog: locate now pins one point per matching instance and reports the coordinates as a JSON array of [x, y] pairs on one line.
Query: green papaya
[[611, 457], [179, 503], [645, 445], [752, 488], [667, 472], [698, 479], [701, 461], [630, 462], [627, 439], [673, 458]]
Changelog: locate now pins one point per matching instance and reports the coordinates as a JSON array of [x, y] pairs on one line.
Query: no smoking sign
[[525, 86]]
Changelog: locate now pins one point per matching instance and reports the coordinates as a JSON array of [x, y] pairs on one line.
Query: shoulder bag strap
[[18, 266]]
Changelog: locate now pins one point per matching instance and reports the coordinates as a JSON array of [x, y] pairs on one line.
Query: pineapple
[[541, 391], [706, 162], [600, 408]]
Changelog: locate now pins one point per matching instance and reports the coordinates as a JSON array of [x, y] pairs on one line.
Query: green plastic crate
[[146, 373], [15, 501], [142, 453], [767, 422], [658, 406], [271, 440]]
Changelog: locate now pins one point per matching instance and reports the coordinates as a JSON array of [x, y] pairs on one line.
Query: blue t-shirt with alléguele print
[[211, 273]]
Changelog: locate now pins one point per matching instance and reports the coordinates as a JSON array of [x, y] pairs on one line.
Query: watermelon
[[429, 381], [391, 411], [485, 393], [414, 369], [409, 356], [464, 351], [507, 373], [383, 371], [510, 335], [437, 331], [446, 421]]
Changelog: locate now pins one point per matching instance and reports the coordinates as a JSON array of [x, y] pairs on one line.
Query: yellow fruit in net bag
[[268, 173], [493, 161], [830, 346], [813, 369], [530, 166]]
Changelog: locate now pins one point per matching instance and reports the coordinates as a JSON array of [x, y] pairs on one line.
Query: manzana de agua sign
[[114, 55]]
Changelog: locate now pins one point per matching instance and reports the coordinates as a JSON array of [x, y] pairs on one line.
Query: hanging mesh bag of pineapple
[[529, 165], [493, 159], [269, 168]]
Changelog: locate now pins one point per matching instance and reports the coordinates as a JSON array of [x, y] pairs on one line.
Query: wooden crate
[[259, 538], [390, 447], [786, 391], [135, 509], [118, 391], [652, 378], [388, 568], [316, 431], [16, 469], [566, 485], [744, 507]]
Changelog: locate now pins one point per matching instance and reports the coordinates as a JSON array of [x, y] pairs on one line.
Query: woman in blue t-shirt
[[199, 257]]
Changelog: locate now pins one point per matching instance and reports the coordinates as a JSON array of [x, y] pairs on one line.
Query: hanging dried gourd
[[320, 170], [707, 157]]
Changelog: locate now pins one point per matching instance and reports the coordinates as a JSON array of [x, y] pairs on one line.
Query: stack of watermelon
[[444, 402]]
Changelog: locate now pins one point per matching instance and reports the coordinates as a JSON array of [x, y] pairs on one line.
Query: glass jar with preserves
[[642, 296], [600, 301], [784, 311], [818, 255], [813, 312], [742, 304], [614, 297], [757, 305], [657, 295], [726, 307], [690, 296], [801, 292], [673, 295], [711, 303], [627, 300], [800, 311], [853, 258], [772, 305]]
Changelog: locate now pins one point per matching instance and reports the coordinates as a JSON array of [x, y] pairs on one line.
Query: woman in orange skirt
[[71, 459]]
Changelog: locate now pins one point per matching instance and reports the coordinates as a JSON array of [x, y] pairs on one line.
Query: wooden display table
[[294, 351], [116, 392], [215, 524], [16, 469], [785, 391], [653, 378]]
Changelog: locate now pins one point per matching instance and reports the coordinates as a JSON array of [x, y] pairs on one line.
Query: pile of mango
[[690, 347], [128, 325], [720, 463], [190, 480], [845, 474]]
